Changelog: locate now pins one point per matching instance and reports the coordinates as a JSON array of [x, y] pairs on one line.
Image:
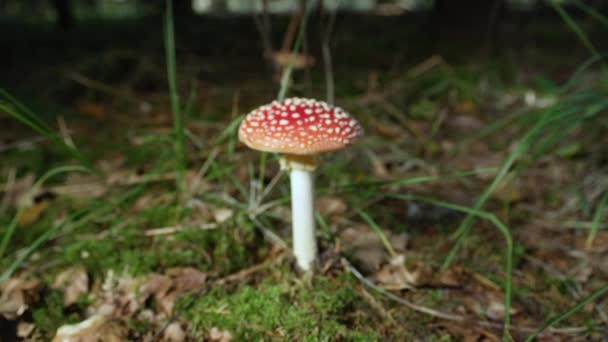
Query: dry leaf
[[33, 213], [82, 185], [395, 276], [16, 296], [174, 333], [218, 335], [222, 215], [183, 280], [328, 206], [24, 329], [455, 276], [16, 193], [74, 282], [300, 61], [94, 110], [97, 328]]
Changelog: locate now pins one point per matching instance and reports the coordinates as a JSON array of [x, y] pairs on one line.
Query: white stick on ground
[[302, 197]]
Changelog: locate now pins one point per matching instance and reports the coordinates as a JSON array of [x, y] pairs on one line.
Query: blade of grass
[[169, 38], [580, 305], [597, 218], [377, 231], [41, 128], [592, 12], [504, 230], [24, 109], [13, 225], [575, 28], [286, 76], [524, 145], [73, 221]]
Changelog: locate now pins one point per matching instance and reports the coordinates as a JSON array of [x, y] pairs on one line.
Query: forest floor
[[121, 249]]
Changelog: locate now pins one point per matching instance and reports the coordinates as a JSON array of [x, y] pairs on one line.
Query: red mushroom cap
[[299, 126]]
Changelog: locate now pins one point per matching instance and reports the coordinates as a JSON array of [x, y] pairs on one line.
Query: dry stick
[[327, 58], [65, 132], [202, 171], [8, 192], [271, 185], [264, 29], [248, 271], [450, 317], [104, 88], [23, 142], [290, 33], [303, 9], [351, 269]]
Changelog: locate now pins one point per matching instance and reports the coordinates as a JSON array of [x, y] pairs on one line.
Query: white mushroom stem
[[301, 168], [302, 211]]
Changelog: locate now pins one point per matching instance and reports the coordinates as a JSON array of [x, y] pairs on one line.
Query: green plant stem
[[13, 225], [178, 131], [551, 322], [378, 232], [575, 28], [466, 224], [74, 220], [508, 282], [597, 218]]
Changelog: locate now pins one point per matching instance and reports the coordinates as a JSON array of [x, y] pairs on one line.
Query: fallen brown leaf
[[16, 193], [300, 61], [174, 333], [24, 329], [16, 296], [74, 282], [218, 335], [329, 205], [94, 110], [97, 328], [222, 215], [32, 214], [396, 276]]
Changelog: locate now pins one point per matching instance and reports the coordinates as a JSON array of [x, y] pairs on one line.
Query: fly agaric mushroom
[[300, 129]]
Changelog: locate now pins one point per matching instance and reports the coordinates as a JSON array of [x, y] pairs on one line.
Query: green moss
[[49, 314], [278, 311], [224, 250]]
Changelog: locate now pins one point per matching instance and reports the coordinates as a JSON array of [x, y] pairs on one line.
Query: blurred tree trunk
[[65, 14]]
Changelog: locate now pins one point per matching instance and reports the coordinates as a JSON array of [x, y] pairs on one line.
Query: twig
[[21, 143], [351, 269], [271, 185], [327, 58], [263, 26], [270, 235], [8, 192], [203, 170], [248, 271], [65, 132], [450, 317], [177, 229], [104, 88], [376, 305], [397, 85]]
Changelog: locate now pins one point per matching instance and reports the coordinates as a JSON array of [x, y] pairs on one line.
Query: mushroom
[[299, 129]]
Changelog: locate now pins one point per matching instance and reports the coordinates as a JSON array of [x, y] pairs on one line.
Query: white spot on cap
[[283, 122]]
